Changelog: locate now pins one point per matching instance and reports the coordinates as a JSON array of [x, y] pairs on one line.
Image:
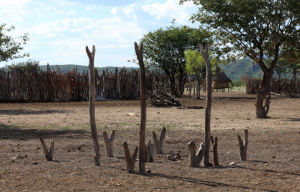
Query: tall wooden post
[[205, 55], [92, 95], [139, 55]]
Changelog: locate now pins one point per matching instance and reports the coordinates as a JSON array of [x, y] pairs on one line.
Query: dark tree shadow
[[14, 132], [268, 170], [293, 119], [28, 112], [204, 182]]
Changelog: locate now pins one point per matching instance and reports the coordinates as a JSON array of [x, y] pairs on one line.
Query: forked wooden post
[[48, 154], [243, 145], [142, 148], [149, 154], [214, 142], [109, 143], [196, 158], [130, 160], [159, 143], [205, 54], [92, 95]]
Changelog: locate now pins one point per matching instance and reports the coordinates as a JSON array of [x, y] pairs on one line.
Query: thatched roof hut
[[220, 79]]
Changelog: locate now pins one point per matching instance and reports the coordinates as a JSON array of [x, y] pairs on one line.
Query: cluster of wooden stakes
[[146, 151]]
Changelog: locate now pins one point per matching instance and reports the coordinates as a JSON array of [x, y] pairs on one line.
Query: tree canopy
[[26, 66], [164, 48], [10, 47], [253, 28]]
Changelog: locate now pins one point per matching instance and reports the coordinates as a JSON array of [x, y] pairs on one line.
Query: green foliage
[[195, 64], [9, 46], [255, 28], [164, 49], [291, 56], [27, 66]]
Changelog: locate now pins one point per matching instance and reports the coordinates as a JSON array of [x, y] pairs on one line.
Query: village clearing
[[273, 152]]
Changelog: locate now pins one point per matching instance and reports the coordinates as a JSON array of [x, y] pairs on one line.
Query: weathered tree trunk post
[[196, 158], [214, 142], [159, 143], [139, 55], [243, 145], [48, 154], [109, 143], [149, 154], [92, 95], [205, 55], [130, 160]]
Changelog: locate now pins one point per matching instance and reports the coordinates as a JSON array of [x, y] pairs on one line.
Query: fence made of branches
[[55, 86], [285, 87]]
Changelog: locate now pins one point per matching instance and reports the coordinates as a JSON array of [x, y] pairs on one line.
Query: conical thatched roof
[[220, 76]]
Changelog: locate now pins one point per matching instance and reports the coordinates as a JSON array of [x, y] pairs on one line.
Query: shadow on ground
[[293, 119], [14, 132], [205, 182], [29, 112]]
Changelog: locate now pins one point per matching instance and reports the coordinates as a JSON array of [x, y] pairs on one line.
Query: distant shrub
[[27, 66]]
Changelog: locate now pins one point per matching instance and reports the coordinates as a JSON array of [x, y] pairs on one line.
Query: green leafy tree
[[26, 66], [291, 56], [281, 68], [10, 47], [195, 67], [253, 28], [164, 49]]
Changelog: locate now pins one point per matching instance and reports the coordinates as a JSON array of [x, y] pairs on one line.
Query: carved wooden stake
[[48, 154], [205, 54], [196, 158], [243, 145], [139, 55], [214, 142], [92, 95], [159, 143], [109, 143], [149, 154], [130, 160]]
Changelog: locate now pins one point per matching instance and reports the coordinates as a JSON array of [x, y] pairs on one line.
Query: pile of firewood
[[161, 99]]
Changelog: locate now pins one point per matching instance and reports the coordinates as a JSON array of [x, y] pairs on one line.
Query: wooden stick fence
[[288, 87], [55, 86]]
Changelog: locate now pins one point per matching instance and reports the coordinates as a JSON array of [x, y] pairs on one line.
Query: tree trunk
[[92, 95], [173, 87], [205, 55], [181, 84], [142, 149], [263, 97]]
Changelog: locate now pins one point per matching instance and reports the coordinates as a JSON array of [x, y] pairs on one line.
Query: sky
[[59, 30]]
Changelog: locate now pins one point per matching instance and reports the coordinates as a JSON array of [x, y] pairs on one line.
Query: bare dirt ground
[[273, 152]]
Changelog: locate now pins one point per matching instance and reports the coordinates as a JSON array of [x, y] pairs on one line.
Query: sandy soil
[[274, 145]]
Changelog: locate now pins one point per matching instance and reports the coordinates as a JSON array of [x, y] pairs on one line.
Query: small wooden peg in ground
[[48, 154], [130, 160], [214, 142], [196, 158], [243, 145], [149, 154], [159, 143], [109, 143], [174, 156]]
